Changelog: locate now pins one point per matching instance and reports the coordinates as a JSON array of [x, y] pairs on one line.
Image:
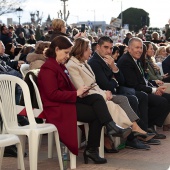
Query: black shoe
[[157, 136], [153, 142], [93, 154], [144, 137], [112, 150], [137, 144], [114, 130], [11, 151]]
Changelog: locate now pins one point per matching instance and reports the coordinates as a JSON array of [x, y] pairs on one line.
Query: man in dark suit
[[108, 77], [158, 100]]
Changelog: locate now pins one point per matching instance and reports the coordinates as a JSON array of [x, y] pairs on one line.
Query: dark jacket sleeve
[[166, 65], [13, 64], [31, 88], [104, 82]]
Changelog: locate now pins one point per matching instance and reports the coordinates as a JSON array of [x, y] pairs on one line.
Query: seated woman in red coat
[[64, 105]]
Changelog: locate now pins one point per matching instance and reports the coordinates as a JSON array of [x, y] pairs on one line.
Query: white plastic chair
[[33, 130], [50, 138], [24, 69], [7, 140]]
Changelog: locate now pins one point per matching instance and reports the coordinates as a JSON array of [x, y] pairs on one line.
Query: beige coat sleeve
[[80, 78]]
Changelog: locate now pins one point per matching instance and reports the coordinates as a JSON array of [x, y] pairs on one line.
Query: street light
[[121, 14], [19, 13]]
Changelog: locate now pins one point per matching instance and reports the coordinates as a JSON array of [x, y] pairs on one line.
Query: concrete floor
[[158, 158]]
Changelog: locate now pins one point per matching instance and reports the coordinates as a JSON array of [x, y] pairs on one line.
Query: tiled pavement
[[158, 158]]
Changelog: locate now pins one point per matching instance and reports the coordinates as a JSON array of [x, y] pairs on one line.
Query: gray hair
[[134, 39]]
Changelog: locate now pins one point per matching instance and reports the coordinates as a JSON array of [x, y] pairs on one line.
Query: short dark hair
[[2, 27], [104, 39], [115, 48], [62, 42]]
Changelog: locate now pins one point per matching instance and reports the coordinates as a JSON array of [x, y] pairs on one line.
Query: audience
[[61, 97], [158, 100], [129, 82]]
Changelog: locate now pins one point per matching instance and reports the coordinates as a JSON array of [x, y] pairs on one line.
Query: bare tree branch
[[9, 6]]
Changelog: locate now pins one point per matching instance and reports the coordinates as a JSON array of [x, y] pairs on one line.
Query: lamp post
[[19, 13], [121, 14], [64, 11]]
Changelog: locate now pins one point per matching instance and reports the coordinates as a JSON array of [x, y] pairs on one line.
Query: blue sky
[[97, 10]]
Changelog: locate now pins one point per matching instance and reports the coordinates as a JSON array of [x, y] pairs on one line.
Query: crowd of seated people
[[126, 75]]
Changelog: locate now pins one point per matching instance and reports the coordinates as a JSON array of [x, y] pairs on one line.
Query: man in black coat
[[5, 36], [158, 100], [4, 57]]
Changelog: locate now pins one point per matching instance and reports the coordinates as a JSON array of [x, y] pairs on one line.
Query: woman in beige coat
[[82, 74]]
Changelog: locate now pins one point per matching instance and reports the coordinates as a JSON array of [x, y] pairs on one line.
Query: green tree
[[9, 6], [136, 18]]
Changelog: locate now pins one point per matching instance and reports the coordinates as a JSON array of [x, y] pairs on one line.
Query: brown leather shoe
[[166, 127]]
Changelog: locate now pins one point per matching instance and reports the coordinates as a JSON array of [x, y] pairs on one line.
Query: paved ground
[[158, 158]]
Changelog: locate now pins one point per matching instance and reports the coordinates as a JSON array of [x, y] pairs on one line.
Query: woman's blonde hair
[[80, 46], [168, 49], [57, 24], [159, 50], [155, 36]]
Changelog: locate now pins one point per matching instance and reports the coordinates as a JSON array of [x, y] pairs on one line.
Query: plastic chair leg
[[101, 148], [56, 135], [39, 145], [79, 135], [33, 150], [22, 140], [50, 144], [1, 155], [20, 157], [72, 161]]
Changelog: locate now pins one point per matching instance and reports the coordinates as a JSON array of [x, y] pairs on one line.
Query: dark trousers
[[134, 105], [142, 109], [158, 109], [92, 109]]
